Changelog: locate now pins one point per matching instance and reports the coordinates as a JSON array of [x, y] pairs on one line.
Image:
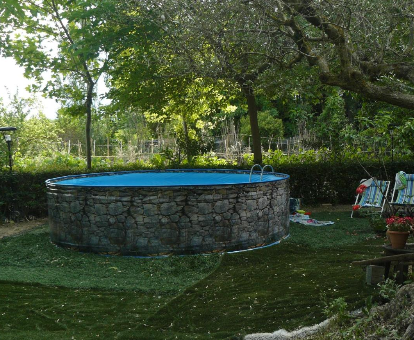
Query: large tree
[[364, 46], [71, 40], [218, 41]]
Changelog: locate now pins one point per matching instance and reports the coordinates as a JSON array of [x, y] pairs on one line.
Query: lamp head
[[8, 128]]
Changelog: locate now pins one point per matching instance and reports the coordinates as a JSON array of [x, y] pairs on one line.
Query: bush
[[315, 181], [335, 181]]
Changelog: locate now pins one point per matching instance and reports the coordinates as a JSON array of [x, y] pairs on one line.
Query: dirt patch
[[10, 229]]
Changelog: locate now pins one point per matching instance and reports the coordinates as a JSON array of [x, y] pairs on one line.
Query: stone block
[[190, 210], [151, 220], [221, 206], [120, 218], [374, 274], [115, 208], [184, 219], [164, 220], [136, 210], [168, 209], [174, 218], [75, 207], [150, 210], [116, 236], [263, 202], [205, 208], [251, 205], [196, 241]]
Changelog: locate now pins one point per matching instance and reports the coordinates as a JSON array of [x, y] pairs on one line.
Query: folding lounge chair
[[405, 196], [374, 195]]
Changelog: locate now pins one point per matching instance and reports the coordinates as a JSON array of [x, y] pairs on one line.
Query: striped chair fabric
[[404, 196]]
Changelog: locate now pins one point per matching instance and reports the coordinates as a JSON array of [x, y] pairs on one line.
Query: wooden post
[[69, 147], [107, 146]]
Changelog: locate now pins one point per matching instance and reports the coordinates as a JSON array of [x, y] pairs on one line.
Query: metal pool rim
[[277, 177]]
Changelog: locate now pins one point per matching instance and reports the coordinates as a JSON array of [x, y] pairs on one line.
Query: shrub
[[314, 179]]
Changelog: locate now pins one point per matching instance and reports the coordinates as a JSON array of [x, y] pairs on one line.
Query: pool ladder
[[262, 170]]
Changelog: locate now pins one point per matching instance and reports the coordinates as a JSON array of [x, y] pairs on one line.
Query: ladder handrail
[[251, 171], [261, 172], [268, 165]]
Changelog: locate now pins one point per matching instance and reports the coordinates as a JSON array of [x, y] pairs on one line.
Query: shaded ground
[[48, 292], [10, 229]]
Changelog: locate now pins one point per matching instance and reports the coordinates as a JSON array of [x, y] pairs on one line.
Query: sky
[[11, 79]]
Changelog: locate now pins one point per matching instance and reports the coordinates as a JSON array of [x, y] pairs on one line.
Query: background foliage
[[315, 181]]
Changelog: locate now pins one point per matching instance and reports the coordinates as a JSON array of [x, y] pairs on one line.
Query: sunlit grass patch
[[33, 258]]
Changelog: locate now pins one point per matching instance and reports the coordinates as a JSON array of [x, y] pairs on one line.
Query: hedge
[[316, 183], [335, 183]]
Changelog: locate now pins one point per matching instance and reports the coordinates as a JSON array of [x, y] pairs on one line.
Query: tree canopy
[[186, 63], [69, 40], [364, 46]]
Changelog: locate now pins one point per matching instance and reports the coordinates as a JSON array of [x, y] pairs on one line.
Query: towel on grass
[[306, 220]]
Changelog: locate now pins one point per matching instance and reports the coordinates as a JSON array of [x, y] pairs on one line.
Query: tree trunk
[[89, 98], [254, 124]]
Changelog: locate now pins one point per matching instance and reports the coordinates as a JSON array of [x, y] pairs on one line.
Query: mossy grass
[[48, 292], [33, 258]]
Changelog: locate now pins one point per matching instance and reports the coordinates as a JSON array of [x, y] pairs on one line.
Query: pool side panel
[[176, 220]]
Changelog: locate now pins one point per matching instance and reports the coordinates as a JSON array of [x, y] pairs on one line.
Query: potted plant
[[399, 229]]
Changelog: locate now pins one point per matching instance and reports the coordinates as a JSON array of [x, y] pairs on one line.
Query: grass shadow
[[195, 297]]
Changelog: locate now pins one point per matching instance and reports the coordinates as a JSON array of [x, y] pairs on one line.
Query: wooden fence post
[[107, 146]]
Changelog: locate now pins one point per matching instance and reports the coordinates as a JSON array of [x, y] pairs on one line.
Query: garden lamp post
[[8, 139]]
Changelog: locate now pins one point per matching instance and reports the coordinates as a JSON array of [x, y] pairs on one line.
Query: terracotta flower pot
[[398, 239]]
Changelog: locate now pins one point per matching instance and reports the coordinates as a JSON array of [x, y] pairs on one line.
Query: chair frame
[[379, 184], [404, 197]]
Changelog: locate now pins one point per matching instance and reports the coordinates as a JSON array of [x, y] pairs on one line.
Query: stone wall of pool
[[149, 221]]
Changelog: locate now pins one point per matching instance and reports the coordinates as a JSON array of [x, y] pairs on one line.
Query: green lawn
[[51, 293]]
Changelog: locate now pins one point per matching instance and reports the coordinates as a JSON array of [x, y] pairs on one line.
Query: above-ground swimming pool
[[149, 213]]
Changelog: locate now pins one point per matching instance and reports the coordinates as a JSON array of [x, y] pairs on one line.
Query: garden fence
[[229, 147]]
